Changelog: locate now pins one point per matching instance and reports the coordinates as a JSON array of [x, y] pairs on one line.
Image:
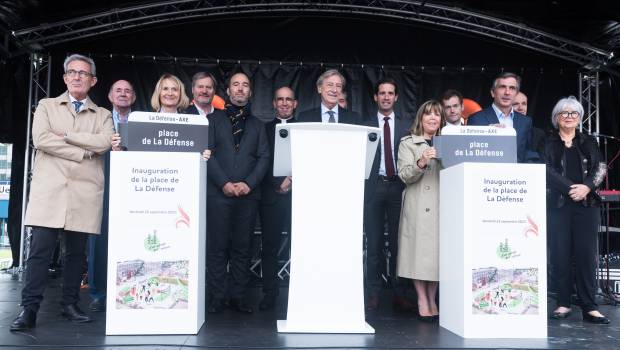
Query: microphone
[[596, 134]]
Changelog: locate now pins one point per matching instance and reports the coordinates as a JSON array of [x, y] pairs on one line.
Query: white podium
[[328, 163], [492, 268], [156, 243]]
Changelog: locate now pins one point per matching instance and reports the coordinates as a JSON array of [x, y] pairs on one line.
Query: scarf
[[237, 116]]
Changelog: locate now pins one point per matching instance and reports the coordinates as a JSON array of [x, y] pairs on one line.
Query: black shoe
[[427, 319], [74, 314], [595, 319], [560, 315], [97, 305], [240, 306], [268, 302], [216, 306], [26, 319]]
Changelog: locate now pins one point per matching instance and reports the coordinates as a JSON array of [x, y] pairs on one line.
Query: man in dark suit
[[275, 209], [538, 134], [238, 163], [500, 113], [330, 85], [382, 197], [203, 91]]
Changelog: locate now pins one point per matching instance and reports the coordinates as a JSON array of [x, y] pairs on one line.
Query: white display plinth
[[326, 291], [493, 275], [156, 243]]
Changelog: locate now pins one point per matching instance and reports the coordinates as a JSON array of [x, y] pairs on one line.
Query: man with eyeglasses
[[70, 133], [275, 208], [501, 113], [329, 86]]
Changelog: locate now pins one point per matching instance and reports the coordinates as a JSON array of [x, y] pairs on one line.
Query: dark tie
[[77, 105], [387, 148], [331, 117]]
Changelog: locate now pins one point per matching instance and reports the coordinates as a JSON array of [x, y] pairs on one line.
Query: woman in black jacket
[[574, 171]]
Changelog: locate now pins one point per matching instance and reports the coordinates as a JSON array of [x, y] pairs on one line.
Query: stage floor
[[394, 330]]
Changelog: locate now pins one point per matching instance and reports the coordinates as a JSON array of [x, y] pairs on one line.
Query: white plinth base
[[284, 327]]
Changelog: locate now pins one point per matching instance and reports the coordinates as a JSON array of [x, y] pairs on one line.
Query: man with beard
[[275, 210], [239, 161], [203, 90]]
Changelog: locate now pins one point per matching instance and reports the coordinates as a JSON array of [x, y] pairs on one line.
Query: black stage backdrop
[[544, 86]]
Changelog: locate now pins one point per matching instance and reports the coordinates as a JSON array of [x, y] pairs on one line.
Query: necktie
[[387, 148], [77, 105], [331, 117]]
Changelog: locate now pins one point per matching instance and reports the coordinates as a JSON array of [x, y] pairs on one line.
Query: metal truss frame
[[589, 97], [40, 79], [454, 18]]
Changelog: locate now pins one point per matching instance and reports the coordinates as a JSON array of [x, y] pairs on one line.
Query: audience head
[[386, 95], [452, 101], [204, 86], [284, 102], [169, 95], [520, 103], [239, 89], [342, 100], [329, 85], [567, 113], [505, 88], [80, 75], [429, 119], [121, 95]]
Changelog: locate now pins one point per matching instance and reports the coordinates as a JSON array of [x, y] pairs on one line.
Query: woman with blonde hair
[[169, 95], [418, 236]]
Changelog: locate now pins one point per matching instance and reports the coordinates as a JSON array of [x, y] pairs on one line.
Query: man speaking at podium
[[330, 85], [501, 113]]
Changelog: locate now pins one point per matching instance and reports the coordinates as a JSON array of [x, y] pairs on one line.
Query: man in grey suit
[[330, 85]]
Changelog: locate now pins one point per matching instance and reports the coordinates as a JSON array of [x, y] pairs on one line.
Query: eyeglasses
[[566, 114], [81, 73]]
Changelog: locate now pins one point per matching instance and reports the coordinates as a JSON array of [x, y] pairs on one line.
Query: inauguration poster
[[509, 242], [156, 253]]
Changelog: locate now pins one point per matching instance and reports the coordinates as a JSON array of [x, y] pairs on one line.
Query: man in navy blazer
[[382, 198], [330, 85], [238, 163], [203, 91], [504, 90]]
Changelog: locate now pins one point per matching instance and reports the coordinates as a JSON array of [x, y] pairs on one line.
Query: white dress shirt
[[381, 125], [325, 115]]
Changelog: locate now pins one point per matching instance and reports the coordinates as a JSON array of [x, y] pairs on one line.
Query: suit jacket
[[192, 109], [521, 123], [344, 116], [270, 182], [249, 164], [401, 129]]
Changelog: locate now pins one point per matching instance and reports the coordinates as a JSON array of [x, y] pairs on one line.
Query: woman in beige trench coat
[[418, 236]]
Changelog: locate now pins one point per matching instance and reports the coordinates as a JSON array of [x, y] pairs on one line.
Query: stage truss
[[37, 39]]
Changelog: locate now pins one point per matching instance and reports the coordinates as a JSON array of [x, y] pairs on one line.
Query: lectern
[[328, 164], [157, 241]]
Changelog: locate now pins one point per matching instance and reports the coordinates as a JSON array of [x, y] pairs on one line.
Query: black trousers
[[385, 204], [42, 244], [230, 226], [275, 217], [573, 233]]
